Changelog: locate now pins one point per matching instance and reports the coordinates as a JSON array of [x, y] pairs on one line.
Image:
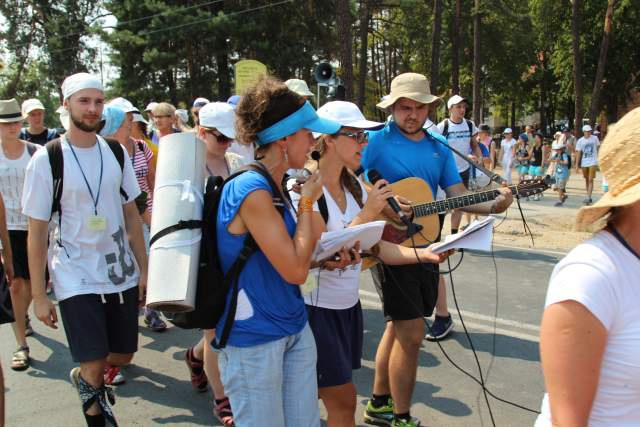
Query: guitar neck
[[470, 199]]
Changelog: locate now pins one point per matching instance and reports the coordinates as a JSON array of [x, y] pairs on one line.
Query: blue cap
[[233, 100], [524, 137], [113, 118]]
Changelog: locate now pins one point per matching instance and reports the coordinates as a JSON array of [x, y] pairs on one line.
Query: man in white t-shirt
[[97, 282], [587, 159]]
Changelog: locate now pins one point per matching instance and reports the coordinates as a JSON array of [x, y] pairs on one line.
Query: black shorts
[[408, 291], [465, 177], [94, 329], [338, 335], [18, 239]]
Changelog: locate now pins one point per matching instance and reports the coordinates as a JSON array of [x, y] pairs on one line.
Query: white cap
[[123, 104], [455, 99], [200, 102], [557, 145], [298, 86], [79, 81], [586, 128], [347, 114], [64, 117], [150, 106], [137, 117], [507, 130], [31, 104], [219, 115], [183, 115]]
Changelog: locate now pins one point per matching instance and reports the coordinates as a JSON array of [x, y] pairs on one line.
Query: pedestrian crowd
[[77, 205]]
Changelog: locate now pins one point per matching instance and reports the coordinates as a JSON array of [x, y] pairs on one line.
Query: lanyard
[[97, 197], [624, 243]]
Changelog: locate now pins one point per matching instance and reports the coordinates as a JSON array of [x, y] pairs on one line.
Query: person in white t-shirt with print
[[590, 332], [460, 134], [97, 258], [507, 154], [587, 159], [333, 305]]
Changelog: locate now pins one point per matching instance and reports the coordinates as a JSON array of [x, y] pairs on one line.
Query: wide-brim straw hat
[[10, 111], [619, 160], [412, 86]]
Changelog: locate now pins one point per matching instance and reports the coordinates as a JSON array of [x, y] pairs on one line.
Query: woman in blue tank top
[[268, 365]]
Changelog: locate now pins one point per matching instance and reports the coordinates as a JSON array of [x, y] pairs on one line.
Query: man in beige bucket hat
[[403, 149], [590, 331]]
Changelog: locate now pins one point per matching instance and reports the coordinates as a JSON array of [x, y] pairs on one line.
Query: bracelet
[[305, 205]]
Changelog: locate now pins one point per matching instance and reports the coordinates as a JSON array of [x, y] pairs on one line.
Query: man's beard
[[411, 133], [83, 126]]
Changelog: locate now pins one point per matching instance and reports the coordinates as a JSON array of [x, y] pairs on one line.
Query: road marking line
[[473, 325], [477, 316]]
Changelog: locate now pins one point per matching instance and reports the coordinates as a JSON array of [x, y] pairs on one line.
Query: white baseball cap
[[200, 102], [298, 86], [137, 117], [123, 104], [454, 100], [347, 114], [219, 115], [31, 104], [586, 128], [151, 106], [507, 130]]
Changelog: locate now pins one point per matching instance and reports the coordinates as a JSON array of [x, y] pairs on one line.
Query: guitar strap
[[492, 176]]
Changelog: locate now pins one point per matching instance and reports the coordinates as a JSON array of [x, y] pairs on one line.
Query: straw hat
[[412, 86], [619, 160], [10, 111]]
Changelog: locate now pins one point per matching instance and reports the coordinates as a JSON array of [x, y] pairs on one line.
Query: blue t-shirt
[[561, 171], [397, 157], [269, 308]]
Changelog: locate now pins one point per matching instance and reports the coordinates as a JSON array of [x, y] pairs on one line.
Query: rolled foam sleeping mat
[[178, 196]]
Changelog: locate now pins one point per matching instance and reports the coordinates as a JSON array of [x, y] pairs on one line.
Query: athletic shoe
[[113, 375], [199, 379], [440, 328], [382, 416], [413, 422], [74, 376], [153, 321]]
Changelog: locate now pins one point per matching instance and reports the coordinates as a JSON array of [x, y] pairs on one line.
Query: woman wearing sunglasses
[[333, 306], [217, 130]]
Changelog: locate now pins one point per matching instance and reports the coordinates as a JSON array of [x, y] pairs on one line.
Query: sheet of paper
[[332, 241], [478, 236]]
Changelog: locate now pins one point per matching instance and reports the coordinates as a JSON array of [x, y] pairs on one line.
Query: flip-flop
[[20, 360]]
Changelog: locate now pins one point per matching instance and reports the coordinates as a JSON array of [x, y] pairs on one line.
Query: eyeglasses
[[222, 139], [159, 116], [360, 137]]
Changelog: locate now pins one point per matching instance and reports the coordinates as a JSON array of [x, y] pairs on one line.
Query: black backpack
[[56, 161], [213, 286], [445, 131]]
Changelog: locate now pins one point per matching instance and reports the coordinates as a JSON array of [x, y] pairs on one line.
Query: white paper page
[[332, 241], [478, 236]]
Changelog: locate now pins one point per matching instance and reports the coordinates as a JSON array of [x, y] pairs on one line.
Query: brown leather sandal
[[20, 360]]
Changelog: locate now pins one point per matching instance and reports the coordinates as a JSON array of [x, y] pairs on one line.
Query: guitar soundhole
[[393, 234]]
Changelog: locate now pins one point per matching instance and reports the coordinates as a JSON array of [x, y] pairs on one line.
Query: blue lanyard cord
[[97, 198]]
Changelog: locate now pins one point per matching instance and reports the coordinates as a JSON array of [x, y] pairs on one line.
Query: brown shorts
[[589, 172]]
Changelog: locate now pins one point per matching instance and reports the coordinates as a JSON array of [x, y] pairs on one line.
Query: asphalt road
[[503, 324]]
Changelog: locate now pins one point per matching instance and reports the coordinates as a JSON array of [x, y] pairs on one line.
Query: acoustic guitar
[[425, 209]]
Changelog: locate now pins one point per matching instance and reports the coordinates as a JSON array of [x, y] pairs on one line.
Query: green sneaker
[[382, 416], [411, 423]]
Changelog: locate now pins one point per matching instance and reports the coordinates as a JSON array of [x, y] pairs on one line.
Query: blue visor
[[304, 118], [113, 118]]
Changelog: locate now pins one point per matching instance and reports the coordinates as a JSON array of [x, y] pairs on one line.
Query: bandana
[[79, 81]]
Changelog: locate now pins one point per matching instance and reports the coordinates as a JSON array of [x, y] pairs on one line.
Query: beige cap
[[412, 86], [10, 111], [298, 86], [31, 104]]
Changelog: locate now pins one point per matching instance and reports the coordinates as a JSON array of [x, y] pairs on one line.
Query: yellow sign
[[248, 72]]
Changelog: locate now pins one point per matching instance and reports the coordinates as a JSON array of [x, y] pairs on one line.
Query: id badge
[[96, 223], [311, 283]]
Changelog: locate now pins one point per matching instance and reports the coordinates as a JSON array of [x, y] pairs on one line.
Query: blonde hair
[[164, 109], [347, 178]]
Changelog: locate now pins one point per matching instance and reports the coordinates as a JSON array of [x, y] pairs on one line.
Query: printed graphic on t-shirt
[[128, 268]]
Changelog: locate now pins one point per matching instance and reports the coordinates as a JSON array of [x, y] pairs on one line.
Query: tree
[[455, 50], [594, 108], [435, 45], [346, 47], [476, 62], [577, 65], [365, 17]]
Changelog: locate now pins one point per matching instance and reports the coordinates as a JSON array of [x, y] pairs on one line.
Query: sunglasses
[[360, 137], [219, 137]]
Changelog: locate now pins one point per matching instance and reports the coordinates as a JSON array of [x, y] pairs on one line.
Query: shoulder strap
[[118, 152], [31, 148], [56, 161], [324, 210], [141, 146], [445, 131], [470, 127], [52, 134]]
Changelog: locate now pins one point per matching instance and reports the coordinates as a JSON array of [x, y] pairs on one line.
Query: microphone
[[374, 176]]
